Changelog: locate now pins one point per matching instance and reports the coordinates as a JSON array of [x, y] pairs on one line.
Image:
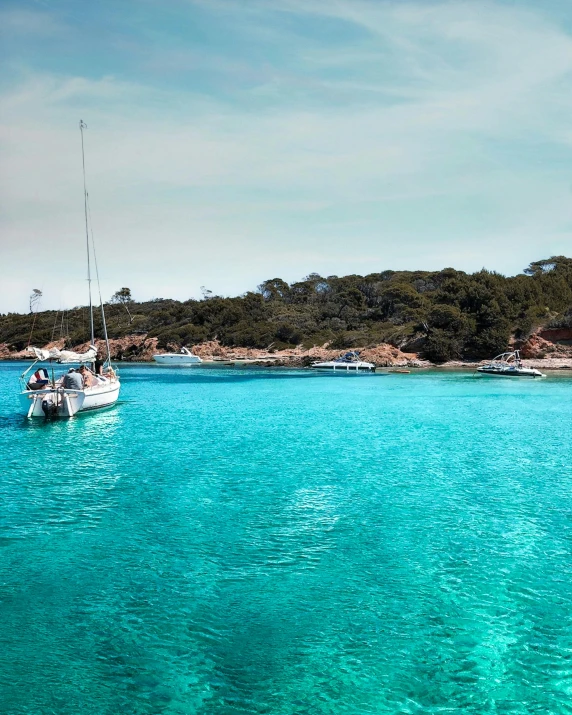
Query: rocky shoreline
[[537, 352]]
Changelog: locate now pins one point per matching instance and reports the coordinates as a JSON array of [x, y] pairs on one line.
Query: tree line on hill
[[444, 315]]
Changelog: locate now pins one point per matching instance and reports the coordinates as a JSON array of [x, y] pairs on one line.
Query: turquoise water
[[264, 541]]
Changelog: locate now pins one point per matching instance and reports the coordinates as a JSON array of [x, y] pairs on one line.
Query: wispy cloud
[[412, 133]]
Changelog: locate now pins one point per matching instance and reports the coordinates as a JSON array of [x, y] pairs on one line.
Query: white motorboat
[[508, 365], [95, 385], [183, 358], [348, 362]]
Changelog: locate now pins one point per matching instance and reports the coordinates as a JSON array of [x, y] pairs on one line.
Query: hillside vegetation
[[443, 315]]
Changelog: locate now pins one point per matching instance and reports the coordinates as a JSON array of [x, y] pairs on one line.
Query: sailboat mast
[[83, 126], [103, 321]]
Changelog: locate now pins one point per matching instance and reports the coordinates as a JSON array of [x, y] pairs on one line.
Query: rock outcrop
[[381, 355], [561, 336], [140, 348], [134, 348], [537, 347]]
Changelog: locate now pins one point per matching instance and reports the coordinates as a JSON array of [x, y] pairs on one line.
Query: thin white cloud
[[419, 148]]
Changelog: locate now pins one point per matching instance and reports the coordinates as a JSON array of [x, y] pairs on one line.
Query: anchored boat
[[348, 362], [508, 365], [45, 394], [94, 384], [183, 358]]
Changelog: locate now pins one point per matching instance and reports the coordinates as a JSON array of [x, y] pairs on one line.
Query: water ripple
[[247, 541]]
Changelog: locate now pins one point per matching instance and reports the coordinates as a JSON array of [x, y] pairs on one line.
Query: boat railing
[[348, 357], [505, 361], [506, 358]]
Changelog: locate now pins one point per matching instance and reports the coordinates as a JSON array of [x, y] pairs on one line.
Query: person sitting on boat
[[72, 380], [88, 378], [110, 374]]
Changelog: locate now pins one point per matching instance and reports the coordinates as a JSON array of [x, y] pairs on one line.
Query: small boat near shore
[[184, 358], [509, 365], [349, 362]]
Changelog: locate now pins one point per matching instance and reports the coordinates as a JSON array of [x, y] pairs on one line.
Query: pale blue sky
[[230, 142]]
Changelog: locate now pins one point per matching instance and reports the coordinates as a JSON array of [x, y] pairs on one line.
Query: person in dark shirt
[[98, 365]]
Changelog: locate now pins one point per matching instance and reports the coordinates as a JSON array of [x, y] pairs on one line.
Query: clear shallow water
[[234, 541]]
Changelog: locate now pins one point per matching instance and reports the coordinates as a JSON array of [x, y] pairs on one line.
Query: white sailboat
[[45, 394]]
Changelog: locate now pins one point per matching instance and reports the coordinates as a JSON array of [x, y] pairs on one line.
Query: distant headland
[[393, 317]]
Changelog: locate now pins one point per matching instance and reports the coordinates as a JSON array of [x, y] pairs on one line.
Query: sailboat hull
[[67, 403]]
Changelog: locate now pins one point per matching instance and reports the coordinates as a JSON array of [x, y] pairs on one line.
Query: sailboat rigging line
[[32, 305], [32, 329], [98, 285], [55, 324], [83, 126], [62, 326]]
